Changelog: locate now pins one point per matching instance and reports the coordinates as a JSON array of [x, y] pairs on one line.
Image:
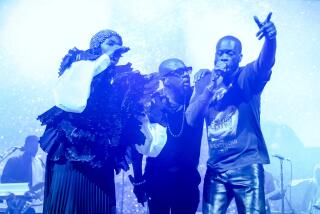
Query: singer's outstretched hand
[[266, 28]]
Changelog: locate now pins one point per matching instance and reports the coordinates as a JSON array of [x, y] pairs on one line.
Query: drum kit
[[17, 198]]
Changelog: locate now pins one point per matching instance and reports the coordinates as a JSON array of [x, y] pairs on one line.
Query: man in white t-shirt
[[25, 168]]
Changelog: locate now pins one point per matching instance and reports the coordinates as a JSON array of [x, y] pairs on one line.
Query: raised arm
[[266, 58], [73, 88]]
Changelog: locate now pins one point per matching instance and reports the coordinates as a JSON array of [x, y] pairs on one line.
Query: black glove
[[117, 53], [68, 59], [75, 54], [139, 189], [90, 54]]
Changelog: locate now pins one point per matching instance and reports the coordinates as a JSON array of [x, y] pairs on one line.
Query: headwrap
[[101, 36], [93, 52]]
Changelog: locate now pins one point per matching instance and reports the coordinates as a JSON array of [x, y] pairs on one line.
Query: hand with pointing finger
[[266, 28]]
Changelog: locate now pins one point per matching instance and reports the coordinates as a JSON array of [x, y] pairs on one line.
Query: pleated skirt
[[77, 188]]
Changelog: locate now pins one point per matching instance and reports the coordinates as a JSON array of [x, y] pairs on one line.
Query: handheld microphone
[[9, 152], [220, 68], [280, 157]]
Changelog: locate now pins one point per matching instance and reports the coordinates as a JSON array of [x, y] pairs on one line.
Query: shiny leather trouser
[[245, 184]]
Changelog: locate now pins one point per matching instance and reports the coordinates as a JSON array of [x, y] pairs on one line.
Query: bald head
[[175, 75], [228, 53], [170, 65], [231, 41]]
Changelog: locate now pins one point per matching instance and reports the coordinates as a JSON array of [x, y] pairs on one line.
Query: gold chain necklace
[[182, 124]]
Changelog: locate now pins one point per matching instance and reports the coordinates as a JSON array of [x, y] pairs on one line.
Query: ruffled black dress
[[85, 148]]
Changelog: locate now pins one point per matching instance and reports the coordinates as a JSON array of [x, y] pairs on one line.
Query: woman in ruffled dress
[[92, 127]]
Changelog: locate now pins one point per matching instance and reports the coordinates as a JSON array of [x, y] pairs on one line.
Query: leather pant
[[245, 184]]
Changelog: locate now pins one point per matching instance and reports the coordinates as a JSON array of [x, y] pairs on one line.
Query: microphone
[[280, 157], [218, 72], [220, 67], [9, 152]]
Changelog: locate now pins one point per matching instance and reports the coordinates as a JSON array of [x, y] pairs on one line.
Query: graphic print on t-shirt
[[223, 129]]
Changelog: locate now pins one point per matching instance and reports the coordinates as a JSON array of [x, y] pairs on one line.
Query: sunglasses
[[180, 71]]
